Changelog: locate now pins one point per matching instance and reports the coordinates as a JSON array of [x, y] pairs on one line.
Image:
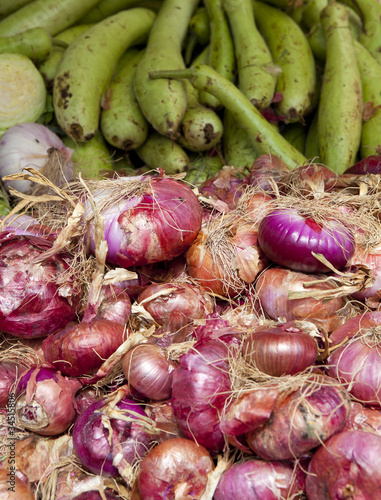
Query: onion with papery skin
[[177, 468], [182, 300], [266, 171], [225, 186], [369, 165], [308, 179], [273, 288], [45, 401], [155, 222], [103, 436], [161, 412], [347, 466], [362, 418], [200, 387], [288, 238], [255, 479], [357, 363], [284, 349], [371, 259], [37, 296], [11, 485], [302, 421], [86, 397], [95, 495], [225, 257], [34, 145], [80, 349], [8, 375], [148, 370]]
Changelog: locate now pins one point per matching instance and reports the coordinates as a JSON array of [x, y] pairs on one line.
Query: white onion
[[32, 145]]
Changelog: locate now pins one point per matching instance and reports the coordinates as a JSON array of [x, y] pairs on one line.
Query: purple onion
[[156, 224], [347, 465], [256, 479], [200, 387], [288, 239], [369, 165], [45, 401], [35, 297], [91, 436], [95, 495]]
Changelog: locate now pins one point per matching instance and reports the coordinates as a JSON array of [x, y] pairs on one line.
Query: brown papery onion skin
[[302, 421], [13, 488], [348, 465], [148, 370], [281, 350], [177, 468], [216, 274], [273, 287], [357, 363], [80, 349], [176, 299], [266, 171], [225, 186]]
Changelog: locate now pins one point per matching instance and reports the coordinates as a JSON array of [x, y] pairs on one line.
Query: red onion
[[161, 412], [95, 495], [273, 288], [24, 225], [200, 387], [362, 418], [111, 304], [177, 468], [249, 410], [288, 238], [105, 439], [369, 165], [8, 375], [12, 487], [149, 371], [357, 363], [371, 259], [302, 421], [182, 300], [80, 349], [255, 479], [45, 401], [225, 186], [157, 221], [310, 178], [36, 296], [266, 171], [348, 465], [284, 349], [86, 397], [34, 145]]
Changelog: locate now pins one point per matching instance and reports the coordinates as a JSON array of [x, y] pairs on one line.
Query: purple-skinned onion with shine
[[356, 361], [347, 466], [37, 296], [45, 401], [288, 238], [200, 387], [99, 436], [156, 221], [255, 479]]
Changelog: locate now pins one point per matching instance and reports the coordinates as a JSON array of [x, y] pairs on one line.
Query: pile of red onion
[[188, 344]]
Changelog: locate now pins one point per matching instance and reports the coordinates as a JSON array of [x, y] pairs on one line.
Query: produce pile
[[190, 250]]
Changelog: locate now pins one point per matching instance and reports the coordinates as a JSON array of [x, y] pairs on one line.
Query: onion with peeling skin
[[104, 438], [225, 186], [95, 495], [181, 300], [284, 349], [362, 418], [157, 222], [12, 487], [371, 259], [45, 401], [148, 370], [37, 296], [200, 387], [255, 479], [302, 421], [177, 468], [8, 376], [267, 170], [357, 363], [348, 465], [288, 238], [273, 288]]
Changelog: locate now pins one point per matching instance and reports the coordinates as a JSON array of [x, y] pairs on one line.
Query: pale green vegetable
[[22, 91]]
